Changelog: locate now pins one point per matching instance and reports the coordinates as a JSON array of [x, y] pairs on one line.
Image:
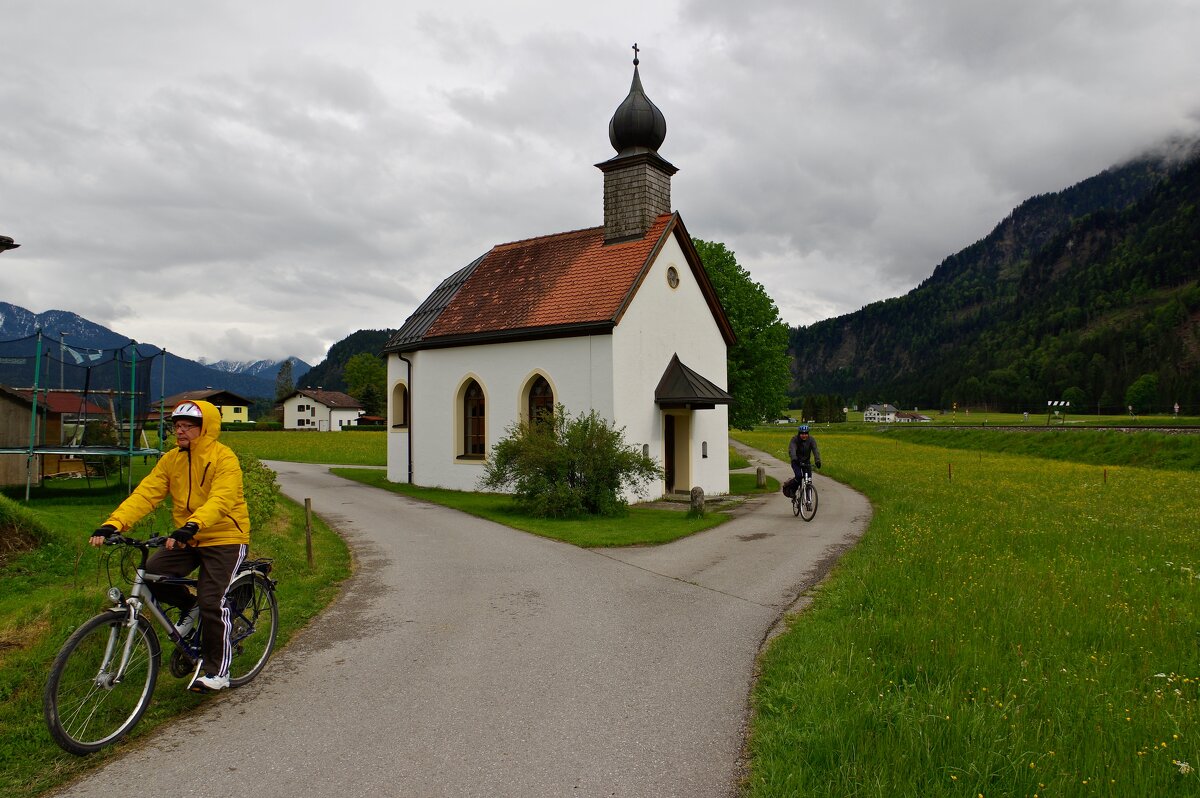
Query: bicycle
[[103, 678], [804, 500]]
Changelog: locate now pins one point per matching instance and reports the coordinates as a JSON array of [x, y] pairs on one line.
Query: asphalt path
[[464, 658]]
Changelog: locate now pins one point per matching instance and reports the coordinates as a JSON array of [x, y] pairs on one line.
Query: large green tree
[[366, 381], [758, 362]]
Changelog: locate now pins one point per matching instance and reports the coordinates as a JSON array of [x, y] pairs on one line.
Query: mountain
[[1080, 291], [263, 369], [181, 374], [328, 373]]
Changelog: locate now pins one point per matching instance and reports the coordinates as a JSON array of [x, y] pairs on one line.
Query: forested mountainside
[[1086, 289], [328, 373]]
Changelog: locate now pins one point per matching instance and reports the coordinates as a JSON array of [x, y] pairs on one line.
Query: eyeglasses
[[183, 426]]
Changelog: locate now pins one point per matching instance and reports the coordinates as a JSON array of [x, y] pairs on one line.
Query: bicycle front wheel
[[87, 704], [254, 612], [808, 506]]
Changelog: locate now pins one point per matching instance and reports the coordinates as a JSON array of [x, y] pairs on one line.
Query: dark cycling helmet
[[804, 428]]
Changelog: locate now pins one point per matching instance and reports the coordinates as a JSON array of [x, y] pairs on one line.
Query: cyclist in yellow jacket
[[208, 506]]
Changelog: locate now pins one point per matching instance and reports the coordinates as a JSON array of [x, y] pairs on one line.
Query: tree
[[366, 380], [1076, 397], [758, 365], [1143, 393], [285, 383], [563, 467]]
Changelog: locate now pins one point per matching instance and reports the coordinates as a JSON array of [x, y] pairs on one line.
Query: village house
[[620, 319], [880, 414], [234, 409], [320, 410]]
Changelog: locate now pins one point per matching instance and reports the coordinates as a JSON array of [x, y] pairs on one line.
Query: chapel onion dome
[[637, 126]]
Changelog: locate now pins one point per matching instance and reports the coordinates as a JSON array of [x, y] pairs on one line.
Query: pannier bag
[[789, 487]]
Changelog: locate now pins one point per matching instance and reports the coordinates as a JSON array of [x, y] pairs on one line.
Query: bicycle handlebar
[[150, 543]]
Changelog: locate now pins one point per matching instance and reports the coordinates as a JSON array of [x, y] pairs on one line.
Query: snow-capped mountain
[[263, 369], [253, 380]]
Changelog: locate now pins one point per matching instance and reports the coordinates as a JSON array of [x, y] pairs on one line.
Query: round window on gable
[[672, 277]]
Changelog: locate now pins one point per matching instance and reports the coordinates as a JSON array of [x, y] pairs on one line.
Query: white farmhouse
[[619, 319], [323, 411], [881, 414]]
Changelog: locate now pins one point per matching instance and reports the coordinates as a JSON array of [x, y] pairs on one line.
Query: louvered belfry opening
[[637, 180]]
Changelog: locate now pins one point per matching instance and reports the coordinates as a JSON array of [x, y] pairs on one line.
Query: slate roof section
[[413, 330], [682, 387], [552, 286]]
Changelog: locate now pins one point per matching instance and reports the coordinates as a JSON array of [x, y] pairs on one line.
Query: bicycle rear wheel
[[808, 505], [796, 501], [85, 707], [254, 612]]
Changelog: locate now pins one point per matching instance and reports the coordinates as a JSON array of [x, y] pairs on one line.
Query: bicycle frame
[[140, 600]]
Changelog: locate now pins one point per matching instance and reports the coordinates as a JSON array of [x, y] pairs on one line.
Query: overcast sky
[[247, 180]]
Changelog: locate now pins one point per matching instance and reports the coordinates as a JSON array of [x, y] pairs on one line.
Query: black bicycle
[[102, 680], [804, 500]]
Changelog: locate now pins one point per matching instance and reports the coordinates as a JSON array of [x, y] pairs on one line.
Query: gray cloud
[[256, 182]]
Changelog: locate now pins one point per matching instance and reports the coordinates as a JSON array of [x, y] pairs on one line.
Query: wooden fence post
[[308, 531]]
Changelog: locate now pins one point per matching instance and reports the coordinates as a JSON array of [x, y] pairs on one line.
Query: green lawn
[[641, 527], [346, 448], [1008, 626]]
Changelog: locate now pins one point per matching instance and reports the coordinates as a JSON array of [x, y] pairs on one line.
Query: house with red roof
[[620, 319], [318, 410]]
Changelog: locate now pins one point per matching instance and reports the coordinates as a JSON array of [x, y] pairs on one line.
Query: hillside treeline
[[1077, 294]]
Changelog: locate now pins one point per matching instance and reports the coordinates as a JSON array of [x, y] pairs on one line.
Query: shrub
[[562, 467], [262, 491]]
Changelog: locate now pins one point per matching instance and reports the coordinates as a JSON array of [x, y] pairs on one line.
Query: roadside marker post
[[1051, 411]]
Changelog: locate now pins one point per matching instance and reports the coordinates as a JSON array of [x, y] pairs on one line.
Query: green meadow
[[1009, 625]]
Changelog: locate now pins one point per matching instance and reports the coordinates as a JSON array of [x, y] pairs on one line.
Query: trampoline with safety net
[[73, 410]]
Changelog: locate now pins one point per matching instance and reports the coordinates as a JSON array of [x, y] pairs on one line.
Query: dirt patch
[[14, 541]]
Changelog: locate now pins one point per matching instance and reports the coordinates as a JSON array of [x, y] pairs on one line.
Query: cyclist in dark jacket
[[801, 449]]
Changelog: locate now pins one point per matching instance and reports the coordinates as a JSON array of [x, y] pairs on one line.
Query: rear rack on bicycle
[[263, 565]]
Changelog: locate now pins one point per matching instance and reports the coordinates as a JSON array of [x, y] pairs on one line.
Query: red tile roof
[[64, 402], [563, 284], [551, 281]]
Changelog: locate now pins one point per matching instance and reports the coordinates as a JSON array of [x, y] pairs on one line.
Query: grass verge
[[1014, 627], [641, 527], [50, 590]]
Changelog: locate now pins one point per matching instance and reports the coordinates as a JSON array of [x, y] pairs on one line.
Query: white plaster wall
[[324, 418], [662, 321], [578, 369], [397, 439]]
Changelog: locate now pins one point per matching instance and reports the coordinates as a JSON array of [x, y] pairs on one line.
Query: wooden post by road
[[308, 531]]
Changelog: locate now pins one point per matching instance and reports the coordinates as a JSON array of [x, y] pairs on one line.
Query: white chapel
[[620, 319]]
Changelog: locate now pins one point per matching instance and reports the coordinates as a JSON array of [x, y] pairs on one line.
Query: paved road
[[467, 659]]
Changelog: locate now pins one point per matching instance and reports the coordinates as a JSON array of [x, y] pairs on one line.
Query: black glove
[[106, 532], [818, 464], [186, 532]]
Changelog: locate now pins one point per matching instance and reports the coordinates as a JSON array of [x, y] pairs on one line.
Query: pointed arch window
[[474, 440], [541, 400]]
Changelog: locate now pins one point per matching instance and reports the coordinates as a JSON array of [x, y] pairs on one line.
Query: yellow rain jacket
[[205, 486]]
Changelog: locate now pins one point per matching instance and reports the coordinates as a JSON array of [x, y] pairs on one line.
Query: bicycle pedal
[[182, 664]]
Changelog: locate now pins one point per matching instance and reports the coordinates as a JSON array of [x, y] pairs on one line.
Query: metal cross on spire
[[635, 54]]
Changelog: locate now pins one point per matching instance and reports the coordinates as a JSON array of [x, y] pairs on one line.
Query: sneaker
[[188, 622], [207, 683]]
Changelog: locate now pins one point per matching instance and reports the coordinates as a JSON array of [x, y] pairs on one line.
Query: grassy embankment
[[1008, 626], [49, 590]]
